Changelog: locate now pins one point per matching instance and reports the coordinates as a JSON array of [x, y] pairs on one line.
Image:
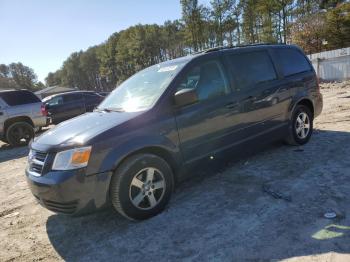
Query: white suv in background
[[21, 114]]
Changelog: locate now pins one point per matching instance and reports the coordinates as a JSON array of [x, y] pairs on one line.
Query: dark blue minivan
[[139, 142]]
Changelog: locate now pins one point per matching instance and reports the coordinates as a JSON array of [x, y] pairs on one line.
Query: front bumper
[[48, 121], [70, 192]]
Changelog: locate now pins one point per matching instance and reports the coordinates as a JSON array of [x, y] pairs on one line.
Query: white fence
[[332, 65]]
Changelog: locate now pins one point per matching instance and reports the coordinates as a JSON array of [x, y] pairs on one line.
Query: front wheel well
[[10, 121], [158, 151], [308, 104]]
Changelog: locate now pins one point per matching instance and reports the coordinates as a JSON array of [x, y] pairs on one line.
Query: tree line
[[18, 76], [315, 25]]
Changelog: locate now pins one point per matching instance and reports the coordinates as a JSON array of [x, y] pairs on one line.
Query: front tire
[[301, 126], [141, 187], [19, 133]]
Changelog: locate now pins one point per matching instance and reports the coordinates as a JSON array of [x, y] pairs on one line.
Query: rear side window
[[292, 61], [91, 95], [208, 79], [15, 98], [72, 98], [57, 100], [252, 68]]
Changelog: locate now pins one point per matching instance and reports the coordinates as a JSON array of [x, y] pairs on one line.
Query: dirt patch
[[221, 215]]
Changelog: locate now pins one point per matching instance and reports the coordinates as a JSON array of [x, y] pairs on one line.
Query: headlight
[[72, 159]]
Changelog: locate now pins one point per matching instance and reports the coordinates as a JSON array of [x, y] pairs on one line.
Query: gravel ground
[[221, 215]]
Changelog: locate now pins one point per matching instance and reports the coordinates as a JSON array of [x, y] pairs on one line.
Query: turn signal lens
[[81, 157]]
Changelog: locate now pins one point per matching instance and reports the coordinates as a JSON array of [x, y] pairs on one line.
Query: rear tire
[[19, 133], [301, 126], [141, 187]]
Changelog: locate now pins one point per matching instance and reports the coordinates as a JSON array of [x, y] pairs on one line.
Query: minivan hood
[[82, 128]]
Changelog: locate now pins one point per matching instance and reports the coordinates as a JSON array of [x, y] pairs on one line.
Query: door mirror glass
[[185, 97]]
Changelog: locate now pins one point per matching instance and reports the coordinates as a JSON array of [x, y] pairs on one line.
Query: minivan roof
[[237, 47], [188, 58]]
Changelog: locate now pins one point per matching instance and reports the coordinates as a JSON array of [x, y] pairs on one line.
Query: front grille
[[61, 207], [37, 168], [36, 161], [41, 156]]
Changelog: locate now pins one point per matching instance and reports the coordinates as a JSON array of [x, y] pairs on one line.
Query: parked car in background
[[21, 114], [143, 138], [67, 105]]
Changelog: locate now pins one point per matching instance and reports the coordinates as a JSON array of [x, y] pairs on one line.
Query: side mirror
[[185, 97], [47, 106]]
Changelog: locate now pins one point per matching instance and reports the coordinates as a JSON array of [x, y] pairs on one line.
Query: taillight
[[43, 110]]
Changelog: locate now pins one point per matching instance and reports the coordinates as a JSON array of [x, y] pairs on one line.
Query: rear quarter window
[[292, 61], [15, 98]]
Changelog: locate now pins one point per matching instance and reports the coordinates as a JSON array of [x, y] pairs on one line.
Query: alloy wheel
[[147, 188], [302, 125]]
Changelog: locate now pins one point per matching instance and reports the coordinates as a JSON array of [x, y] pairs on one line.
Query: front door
[[74, 105], [203, 127]]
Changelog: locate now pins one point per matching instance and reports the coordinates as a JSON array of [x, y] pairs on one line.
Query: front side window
[[142, 90], [252, 68], [208, 79]]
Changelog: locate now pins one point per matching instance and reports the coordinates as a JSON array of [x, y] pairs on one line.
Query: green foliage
[[309, 33], [39, 85], [193, 17], [223, 15], [325, 4], [323, 31], [53, 79], [223, 22], [17, 76], [338, 27], [124, 53]]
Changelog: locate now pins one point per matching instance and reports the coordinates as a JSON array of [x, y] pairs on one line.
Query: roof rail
[[235, 46], [218, 48], [258, 44]]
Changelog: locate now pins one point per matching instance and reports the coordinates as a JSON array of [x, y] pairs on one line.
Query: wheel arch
[[308, 103], [13, 120], [159, 151], [305, 101]]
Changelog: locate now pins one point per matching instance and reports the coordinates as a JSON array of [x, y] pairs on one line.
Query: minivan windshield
[[142, 90]]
